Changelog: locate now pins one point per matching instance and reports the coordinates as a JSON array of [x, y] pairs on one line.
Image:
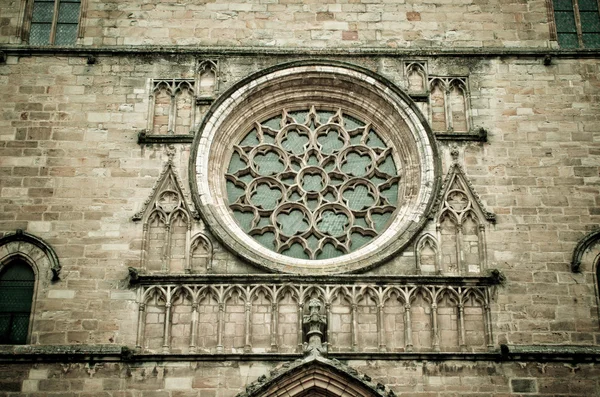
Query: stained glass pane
[[568, 40], [590, 22], [588, 5], [312, 183], [65, 34], [565, 22], [68, 12], [591, 40], [39, 34], [43, 11], [563, 5]]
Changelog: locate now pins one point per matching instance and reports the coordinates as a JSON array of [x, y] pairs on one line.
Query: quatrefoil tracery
[[312, 184]]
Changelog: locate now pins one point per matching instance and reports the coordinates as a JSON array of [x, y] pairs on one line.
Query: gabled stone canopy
[[315, 375]]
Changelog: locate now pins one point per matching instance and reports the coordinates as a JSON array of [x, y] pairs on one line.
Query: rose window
[[312, 183]]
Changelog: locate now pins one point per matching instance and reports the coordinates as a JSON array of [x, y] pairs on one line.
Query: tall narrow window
[[54, 22], [577, 23], [16, 295]]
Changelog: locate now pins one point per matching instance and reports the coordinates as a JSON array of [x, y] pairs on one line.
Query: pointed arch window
[[17, 281]]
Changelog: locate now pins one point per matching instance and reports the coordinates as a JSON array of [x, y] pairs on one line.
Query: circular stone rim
[[215, 213]]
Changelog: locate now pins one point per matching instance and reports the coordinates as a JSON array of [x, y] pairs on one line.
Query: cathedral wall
[[227, 378], [313, 24], [74, 174]]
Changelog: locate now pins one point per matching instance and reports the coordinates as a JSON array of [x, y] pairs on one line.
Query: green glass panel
[[43, 11], [266, 197], [356, 164], [355, 139], [335, 180], [313, 242], [331, 141], [332, 223], [377, 180], [246, 178], [358, 240], [391, 194], [233, 192], [588, 5], [312, 204], [294, 196], [244, 219], [330, 197], [358, 198], [268, 163], [266, 240], [388, 166], [251, 139], [590, 22], [350, 123], [266, 138], [329, 251], [312, 160], [299, 116], [361, 221], [568, 40], [380, 220], [565, 22], [324, 116], [294, 142], [273, 123], [312, 183], [39, 34], [263, 221], [236, 164], [65, 34], [292, 223], [374, 141], [563, 5], [296, 251], [591, 40], [68, 12], [296, 165]]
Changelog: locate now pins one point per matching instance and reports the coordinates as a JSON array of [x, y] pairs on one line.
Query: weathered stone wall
[[226, 379], [375, 23], [73, 174]]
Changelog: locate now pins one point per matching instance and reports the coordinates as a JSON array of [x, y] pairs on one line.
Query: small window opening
[[16, 296]]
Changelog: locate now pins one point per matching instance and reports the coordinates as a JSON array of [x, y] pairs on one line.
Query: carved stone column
[[274, 326], [461, 328], [381, 330], [194, 330], [408, 328], [315, 323], [220, 327], [435, 334], [167, 329], [141, 325], [247, 335]]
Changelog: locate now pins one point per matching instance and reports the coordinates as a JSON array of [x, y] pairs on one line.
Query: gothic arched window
[[17, 281]]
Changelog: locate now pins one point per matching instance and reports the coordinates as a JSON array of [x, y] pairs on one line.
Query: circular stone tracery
[[310, 182], [320, 186]]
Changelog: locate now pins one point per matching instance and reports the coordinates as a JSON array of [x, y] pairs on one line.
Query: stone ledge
[[113, 353], [25, 50]]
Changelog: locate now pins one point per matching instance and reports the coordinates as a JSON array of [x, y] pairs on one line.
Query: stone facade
[[139, 291]]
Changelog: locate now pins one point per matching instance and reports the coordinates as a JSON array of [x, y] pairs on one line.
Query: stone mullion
[[274, 326], [247, 344], [448, 107], [459, 259], [166, 251], [407, 326], [141, 325], [380, 326], [194, 330], [167, 328], [188, 239], [151, 108], [220, 327], [435, 334], [482, 249], [328, 318], [145, 238], [461, 327], [439, 254], [354, 329], [171, 123], [488, 321], [300, 333]]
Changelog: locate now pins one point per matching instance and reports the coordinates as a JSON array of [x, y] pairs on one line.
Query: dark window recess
[[577, 23], [16, 295], [54, 22]]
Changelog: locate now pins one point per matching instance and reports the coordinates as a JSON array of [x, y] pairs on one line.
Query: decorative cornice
[[10, 354], [478, 135], [211, 51], [144, 138], [280, 279]]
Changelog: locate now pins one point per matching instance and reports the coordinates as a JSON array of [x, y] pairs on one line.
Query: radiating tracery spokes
[[312, 184]]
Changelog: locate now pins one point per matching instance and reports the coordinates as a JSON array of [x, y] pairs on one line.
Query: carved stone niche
[[168, 242]]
